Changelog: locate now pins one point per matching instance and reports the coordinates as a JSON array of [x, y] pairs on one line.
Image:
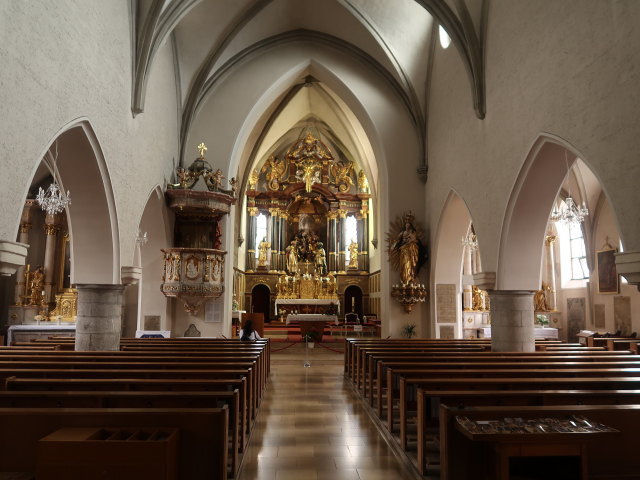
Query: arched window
[[573, 254], [261, 230], [350, 235], [445, 39]]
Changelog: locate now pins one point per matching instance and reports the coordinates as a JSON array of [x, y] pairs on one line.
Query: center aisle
[[312, 426]]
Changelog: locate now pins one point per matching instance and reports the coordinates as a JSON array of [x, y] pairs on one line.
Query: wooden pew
[[615, 457], [511, 383], [202, 447], [128, 399], [464, 399], [421, 361]]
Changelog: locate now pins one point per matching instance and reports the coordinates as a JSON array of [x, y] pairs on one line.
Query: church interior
[[441, 195]]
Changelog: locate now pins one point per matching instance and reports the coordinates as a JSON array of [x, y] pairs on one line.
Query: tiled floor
[[312, 426]]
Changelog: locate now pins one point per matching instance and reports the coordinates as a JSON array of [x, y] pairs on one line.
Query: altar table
[[25, 333]]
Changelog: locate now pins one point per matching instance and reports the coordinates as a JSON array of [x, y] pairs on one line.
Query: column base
[[512, 317]]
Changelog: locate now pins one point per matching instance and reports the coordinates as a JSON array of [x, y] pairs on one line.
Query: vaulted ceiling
[[396, 39]]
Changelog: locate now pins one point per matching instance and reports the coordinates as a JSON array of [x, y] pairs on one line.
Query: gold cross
[[202, 148]]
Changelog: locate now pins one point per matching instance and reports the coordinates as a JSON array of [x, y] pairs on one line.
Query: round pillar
[[512, 321], [99, 319]]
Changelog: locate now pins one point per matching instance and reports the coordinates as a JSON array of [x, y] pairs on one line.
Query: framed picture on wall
[[608, 281]]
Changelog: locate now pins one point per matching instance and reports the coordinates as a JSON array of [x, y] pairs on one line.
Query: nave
[[311, 425]]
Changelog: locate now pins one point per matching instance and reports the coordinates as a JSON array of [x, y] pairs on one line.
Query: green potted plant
[[311, 337], [409, 330], [542, 320]]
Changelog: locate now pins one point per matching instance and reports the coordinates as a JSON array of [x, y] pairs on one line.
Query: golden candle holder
[[409, 294]]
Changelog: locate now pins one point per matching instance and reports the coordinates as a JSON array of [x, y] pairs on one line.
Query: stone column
[[550, 271], [274, 216], [99, 319], [340, 241], [25, 226], [331, 247], [467, 270], [51, 229], [512, 321], [283, 240], [363, 240], [251, 238]]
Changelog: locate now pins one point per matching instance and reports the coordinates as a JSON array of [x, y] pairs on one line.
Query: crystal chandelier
[[470, 241], [569, 213], [53, 200], [141, 238]]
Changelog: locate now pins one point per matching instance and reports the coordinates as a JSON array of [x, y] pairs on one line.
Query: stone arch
[[530, 203], [447, 254], [155, 222], [93, 225]]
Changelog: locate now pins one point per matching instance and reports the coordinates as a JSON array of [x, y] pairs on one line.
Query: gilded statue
[[309, 147], [353, 255], [321, 259], [478, 299], [540, 303], [213, 180], [309, 174], [263, 251], [363, 183], [292, 258], [341, 172], [35, 286], [253, 179], [406, 250], [274, 169]]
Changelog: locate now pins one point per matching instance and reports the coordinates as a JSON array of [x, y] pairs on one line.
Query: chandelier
[[569, 213], [52, 200], [409, 294], [470, 241], [141, 238]]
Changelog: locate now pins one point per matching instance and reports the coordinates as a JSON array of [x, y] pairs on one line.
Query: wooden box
[[108, 453]]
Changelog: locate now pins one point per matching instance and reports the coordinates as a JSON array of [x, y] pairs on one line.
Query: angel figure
[[233, 183], [214, 180], [363, 183], [274, 169], [253, 179], [341, 172], [186, 178], [406, 250]]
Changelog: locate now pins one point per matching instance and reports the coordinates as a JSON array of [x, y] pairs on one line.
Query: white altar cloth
[[49, 327], [539, 333], [311, 317], [306, 301]]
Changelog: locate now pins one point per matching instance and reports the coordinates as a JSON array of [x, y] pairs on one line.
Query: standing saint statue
[[321, 259], [263, 251], [292, 258], [406, 249], [353, 255]]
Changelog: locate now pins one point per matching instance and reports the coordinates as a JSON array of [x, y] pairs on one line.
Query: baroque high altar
[[306, 196]]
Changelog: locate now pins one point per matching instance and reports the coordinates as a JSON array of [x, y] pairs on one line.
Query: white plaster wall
[[66, 60], [569, 68]]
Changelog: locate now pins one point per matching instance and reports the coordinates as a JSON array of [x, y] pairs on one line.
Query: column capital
[[485, 280], [253, 211], [332, 214], [628, 265], [342, 213], [51, 229], [549, 239], [12, 256], [25, 227], [130, 275]]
